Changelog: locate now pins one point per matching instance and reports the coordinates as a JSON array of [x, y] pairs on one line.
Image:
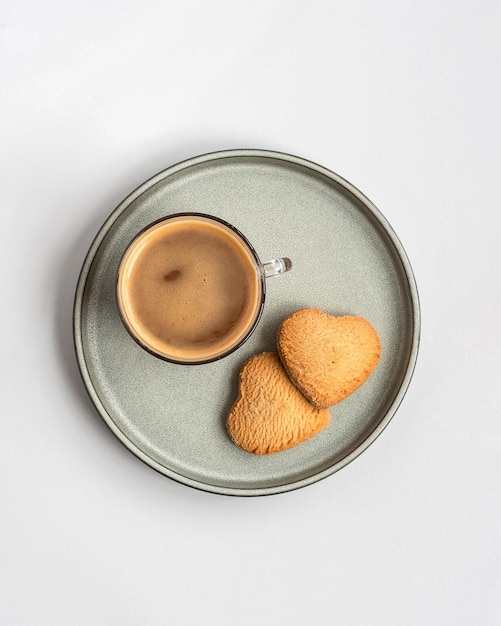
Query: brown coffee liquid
[[189, 289]]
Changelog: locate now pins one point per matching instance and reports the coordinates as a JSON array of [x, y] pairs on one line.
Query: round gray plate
[[346, 260]]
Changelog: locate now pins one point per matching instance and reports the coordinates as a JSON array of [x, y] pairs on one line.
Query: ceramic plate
[[346, 260]]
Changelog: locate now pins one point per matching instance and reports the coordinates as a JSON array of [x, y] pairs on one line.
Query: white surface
[[401, 98]]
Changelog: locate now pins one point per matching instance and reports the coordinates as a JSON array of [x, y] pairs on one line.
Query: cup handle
[[276, 266]]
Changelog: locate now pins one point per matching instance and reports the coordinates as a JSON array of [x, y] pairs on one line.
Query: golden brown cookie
[[270, 414], [327, 357]]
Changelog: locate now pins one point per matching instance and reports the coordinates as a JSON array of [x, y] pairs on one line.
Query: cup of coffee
[[191, 288]]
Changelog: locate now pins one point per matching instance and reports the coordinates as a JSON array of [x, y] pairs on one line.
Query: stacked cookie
[[284, 396]]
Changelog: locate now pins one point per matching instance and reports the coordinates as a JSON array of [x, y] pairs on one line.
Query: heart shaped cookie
[[327, 357], [270, 414]]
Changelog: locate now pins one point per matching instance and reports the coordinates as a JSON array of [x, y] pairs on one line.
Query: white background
[[403, 99]]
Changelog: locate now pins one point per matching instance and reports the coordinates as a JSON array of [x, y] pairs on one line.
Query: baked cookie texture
[[270, 413], [326, 357]]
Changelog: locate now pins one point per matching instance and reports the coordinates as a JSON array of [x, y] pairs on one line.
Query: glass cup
[[191, 288]]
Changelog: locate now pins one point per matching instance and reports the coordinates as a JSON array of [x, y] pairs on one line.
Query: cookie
[[327, 357], [270, 414]]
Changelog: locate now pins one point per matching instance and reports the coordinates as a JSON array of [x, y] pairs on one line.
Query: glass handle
[[276, 266]]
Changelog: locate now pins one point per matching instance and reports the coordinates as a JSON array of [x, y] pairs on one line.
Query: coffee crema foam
[[189, 289]]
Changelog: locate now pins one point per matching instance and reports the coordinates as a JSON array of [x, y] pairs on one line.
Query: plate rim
[[217, 156]]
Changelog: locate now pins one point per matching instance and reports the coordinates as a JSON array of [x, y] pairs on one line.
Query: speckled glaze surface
[[346, 260]]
